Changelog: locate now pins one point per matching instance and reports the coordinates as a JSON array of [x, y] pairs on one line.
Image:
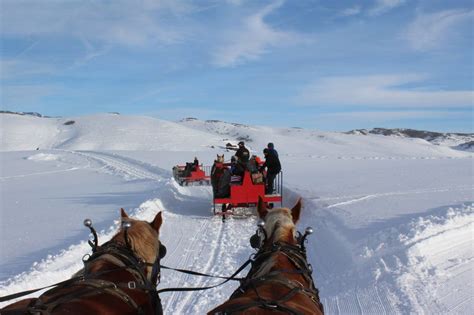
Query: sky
[[326, 65]]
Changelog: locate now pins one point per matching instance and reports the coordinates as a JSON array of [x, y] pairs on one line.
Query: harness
[[86, 284], [125, 259], [296, 254]]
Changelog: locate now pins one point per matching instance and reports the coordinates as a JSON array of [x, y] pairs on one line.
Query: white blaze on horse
[[280, 280]]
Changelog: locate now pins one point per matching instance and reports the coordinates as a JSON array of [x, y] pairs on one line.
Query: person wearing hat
[[271, 147], [272, 163], [242, 153]]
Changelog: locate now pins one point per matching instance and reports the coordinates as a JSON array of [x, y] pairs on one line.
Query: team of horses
[[121, 276]]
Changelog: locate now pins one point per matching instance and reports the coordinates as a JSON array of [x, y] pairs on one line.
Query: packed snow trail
[[195, 239], [213, 247], [385, 272], [128, 168]]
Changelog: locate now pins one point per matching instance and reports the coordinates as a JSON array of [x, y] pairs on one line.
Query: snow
[[43, 157], [393, 217]]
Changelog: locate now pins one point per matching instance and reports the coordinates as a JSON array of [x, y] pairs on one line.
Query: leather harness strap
[[121, 257], [297, 257], [99, 287]]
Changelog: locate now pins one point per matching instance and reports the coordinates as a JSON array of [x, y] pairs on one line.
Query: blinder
[[256, 240], [162, 251], [156, 268]]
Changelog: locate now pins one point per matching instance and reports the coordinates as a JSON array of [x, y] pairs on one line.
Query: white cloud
[[25, 94], [235, 2], [115, 22], [355, 10], [383, 6], [380, 91], [251, 39], [384, 116], [17, 68], [431, 30]]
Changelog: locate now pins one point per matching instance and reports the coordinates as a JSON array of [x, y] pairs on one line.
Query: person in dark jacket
[[236, 168], [243, 153], [271, 147], [223, 185], [272, 163]]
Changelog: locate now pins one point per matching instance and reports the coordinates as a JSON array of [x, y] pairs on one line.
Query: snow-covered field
[[393, 216]]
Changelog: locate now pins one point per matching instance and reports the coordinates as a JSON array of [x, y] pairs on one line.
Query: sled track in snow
[[127, 167], [208, 252], [359, 198], [334, 263], [207, 241], [180, 280], [187, 299], [209, 246]]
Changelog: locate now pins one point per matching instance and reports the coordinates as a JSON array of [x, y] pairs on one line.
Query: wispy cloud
[[25, 94], [355, 10], [19, 68], [116, 22], [419, 119], [384, 116], [251, 39], [383, 6], [380, 91], [430, 30]]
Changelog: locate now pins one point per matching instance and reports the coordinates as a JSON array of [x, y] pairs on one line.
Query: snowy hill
[[448, 139], [116, 132], [324, 144], [393, 215]]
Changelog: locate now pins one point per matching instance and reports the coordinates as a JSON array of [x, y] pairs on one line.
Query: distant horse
[[120, 277], [280, 280]]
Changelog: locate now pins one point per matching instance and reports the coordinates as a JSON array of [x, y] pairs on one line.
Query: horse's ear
[[262, 208], [157, 221], [296, 211], [123, 214]]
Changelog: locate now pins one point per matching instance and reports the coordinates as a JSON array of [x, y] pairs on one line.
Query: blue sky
[[328, 65]]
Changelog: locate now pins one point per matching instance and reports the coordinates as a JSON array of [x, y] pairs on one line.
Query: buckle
[[86, 258], [132, 285]]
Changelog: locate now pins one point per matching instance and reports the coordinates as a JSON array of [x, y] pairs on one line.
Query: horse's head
[[142, 238], [280, 278], [220, 158], [280, 223]]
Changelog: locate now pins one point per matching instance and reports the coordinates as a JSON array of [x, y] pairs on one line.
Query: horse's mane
[[279, 226]]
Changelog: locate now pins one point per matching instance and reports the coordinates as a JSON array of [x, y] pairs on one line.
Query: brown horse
[[120, 277], [280, 280]]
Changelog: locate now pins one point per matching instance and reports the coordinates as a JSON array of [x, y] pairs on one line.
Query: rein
[[133, 285], [134, 265], [296, 254]]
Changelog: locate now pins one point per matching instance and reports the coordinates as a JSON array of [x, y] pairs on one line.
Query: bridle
[[125, 253], [296, 254], [118, 254], [123, 256], [161, 253]]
